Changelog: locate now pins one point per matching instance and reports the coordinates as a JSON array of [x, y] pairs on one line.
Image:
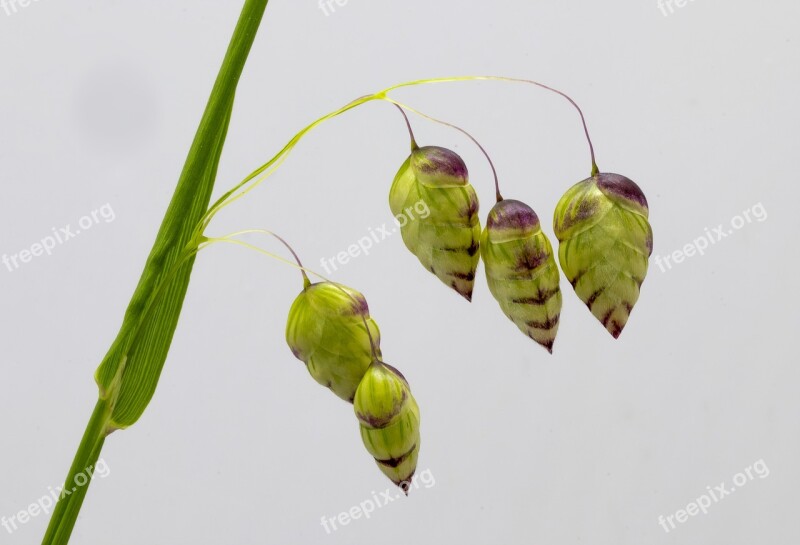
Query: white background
[[98, 104]]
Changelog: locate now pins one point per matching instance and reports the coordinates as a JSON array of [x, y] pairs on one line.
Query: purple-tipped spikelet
[[326, 330], [605, 243], [521, 271], [437, 210], [389, 420]]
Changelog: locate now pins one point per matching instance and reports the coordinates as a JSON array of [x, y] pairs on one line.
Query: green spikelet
[[521, 270], [437, 209], [389, 419], [605, 243], [326, 331]]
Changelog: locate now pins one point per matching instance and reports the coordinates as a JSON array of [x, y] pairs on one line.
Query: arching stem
[[297, 265], [414, 145], [255, 178], [595, 170], [403, 107], [306, 281]]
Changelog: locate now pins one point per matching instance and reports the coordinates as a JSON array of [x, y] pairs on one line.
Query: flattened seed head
[[389, 421], [605, 242], [325, 330], [521, 271], [437, 210]]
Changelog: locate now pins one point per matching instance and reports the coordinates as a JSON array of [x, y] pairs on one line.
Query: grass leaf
[[129, 374]]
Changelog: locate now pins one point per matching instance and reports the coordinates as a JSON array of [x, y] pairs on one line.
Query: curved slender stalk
[[595, 170], [414, 145], [459, 129], [298, 265], [263, 172], [306, 280]]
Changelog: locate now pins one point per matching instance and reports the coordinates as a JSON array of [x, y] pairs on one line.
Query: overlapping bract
[[605, 243], [446, 242], [389, 419], [521, 271], [326, 331]]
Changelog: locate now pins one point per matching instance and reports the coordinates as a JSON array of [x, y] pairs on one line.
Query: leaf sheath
[[129, 373]]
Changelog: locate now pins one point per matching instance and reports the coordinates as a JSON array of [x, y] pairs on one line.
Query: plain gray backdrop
[[98, 105]]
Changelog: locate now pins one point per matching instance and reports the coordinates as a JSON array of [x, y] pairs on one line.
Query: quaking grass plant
[[601, 224]]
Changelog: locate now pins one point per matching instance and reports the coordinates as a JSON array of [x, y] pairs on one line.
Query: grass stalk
[[128, 375]]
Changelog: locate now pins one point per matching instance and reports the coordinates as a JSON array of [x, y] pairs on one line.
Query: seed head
[[605, 243], [389, 420], [521, 271], [446, 241], [326, 331]]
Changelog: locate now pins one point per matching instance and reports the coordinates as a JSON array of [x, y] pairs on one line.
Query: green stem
[[595, 169], [402, 107], [255, 179], [66, 512], [130, 354], [299, 265], [265, 170]]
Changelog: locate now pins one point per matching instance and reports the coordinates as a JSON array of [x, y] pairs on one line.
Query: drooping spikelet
[[521, 270], [446, 240], [326, 331], [389, 419], [605, 243]]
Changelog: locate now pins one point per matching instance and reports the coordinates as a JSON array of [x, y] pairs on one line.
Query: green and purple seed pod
[[446, 241], [521, 271], [605, 244], [326, 330], [388, 417]]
